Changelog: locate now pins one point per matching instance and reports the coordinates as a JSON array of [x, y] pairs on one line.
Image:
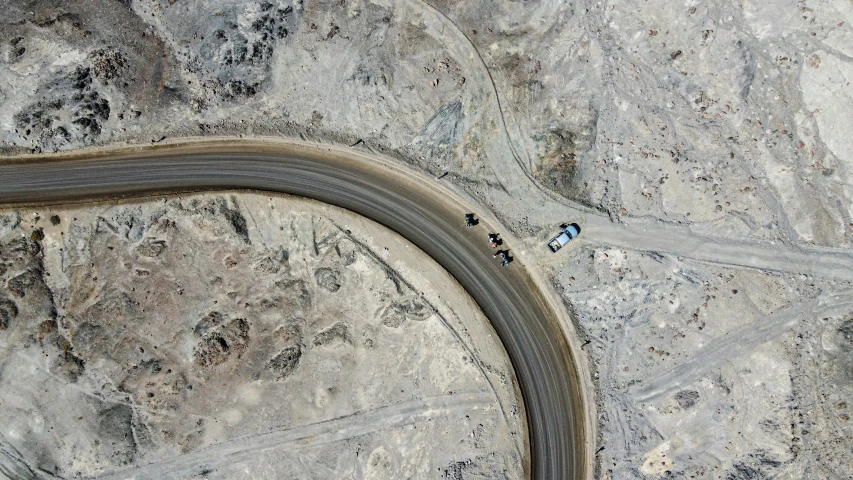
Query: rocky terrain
[[702, 147], [218, 336]]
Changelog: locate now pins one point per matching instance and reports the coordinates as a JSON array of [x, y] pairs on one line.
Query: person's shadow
[[503, 255]]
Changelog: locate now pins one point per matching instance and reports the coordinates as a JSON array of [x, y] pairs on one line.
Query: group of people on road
[[494, 241]]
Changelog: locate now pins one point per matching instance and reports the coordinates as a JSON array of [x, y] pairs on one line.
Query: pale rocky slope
[[703, 148]]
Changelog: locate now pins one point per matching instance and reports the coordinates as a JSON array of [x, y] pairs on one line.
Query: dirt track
[[522, 316]]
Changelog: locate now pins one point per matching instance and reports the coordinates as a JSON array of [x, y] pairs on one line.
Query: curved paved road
[[519, 312]]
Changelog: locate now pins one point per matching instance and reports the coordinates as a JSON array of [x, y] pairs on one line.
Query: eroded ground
[[704, 149], [232, 335]]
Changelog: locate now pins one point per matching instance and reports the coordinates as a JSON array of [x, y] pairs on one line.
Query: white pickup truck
[[564, 237]]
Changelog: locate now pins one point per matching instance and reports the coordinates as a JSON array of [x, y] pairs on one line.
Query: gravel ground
[[702, 147], [232, 335]]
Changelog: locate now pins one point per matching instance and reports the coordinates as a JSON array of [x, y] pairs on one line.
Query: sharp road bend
[[522, 315]]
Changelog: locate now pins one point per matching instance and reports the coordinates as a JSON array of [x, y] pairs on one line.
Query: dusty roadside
[[131, 332], [703, 148], [431, 190]]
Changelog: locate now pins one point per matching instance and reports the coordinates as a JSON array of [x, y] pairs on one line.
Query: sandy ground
[[242, 335], [702, 147]]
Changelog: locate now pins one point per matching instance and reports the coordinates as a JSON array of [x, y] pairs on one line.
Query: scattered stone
[[208, 323], [339, 332], [687, 398], [151, 248], [223, 343], [284, 364], [328, 278], [8, 312]]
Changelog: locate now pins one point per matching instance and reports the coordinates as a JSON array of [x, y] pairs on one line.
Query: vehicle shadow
[[564, 226]]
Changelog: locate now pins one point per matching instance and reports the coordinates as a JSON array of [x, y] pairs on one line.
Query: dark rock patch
[[45, 330], [557, 167], [115, 428], [87, 336], [67, 364], [223, 343], [290, 333], [25, 282], [70, 109], [755, 466], [237, 46], [687, 398], [338, 332], [269, 264], [151, 248], [846, 332], [8, 312], [107, 64], [208, 323], [284, 364], [113, 306]]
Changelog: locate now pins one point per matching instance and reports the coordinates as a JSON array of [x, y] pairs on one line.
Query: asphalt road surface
[[519, 312]]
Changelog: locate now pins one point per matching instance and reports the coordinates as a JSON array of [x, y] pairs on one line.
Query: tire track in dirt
[[738, 253], [654, 237], [512, 170], [523, 316], [306, 436], [743, 341], [398, 277]]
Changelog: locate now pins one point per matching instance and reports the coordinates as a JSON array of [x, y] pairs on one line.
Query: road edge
[[584, 389]]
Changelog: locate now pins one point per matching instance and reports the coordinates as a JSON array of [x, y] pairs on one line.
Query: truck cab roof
[[564, 237]]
